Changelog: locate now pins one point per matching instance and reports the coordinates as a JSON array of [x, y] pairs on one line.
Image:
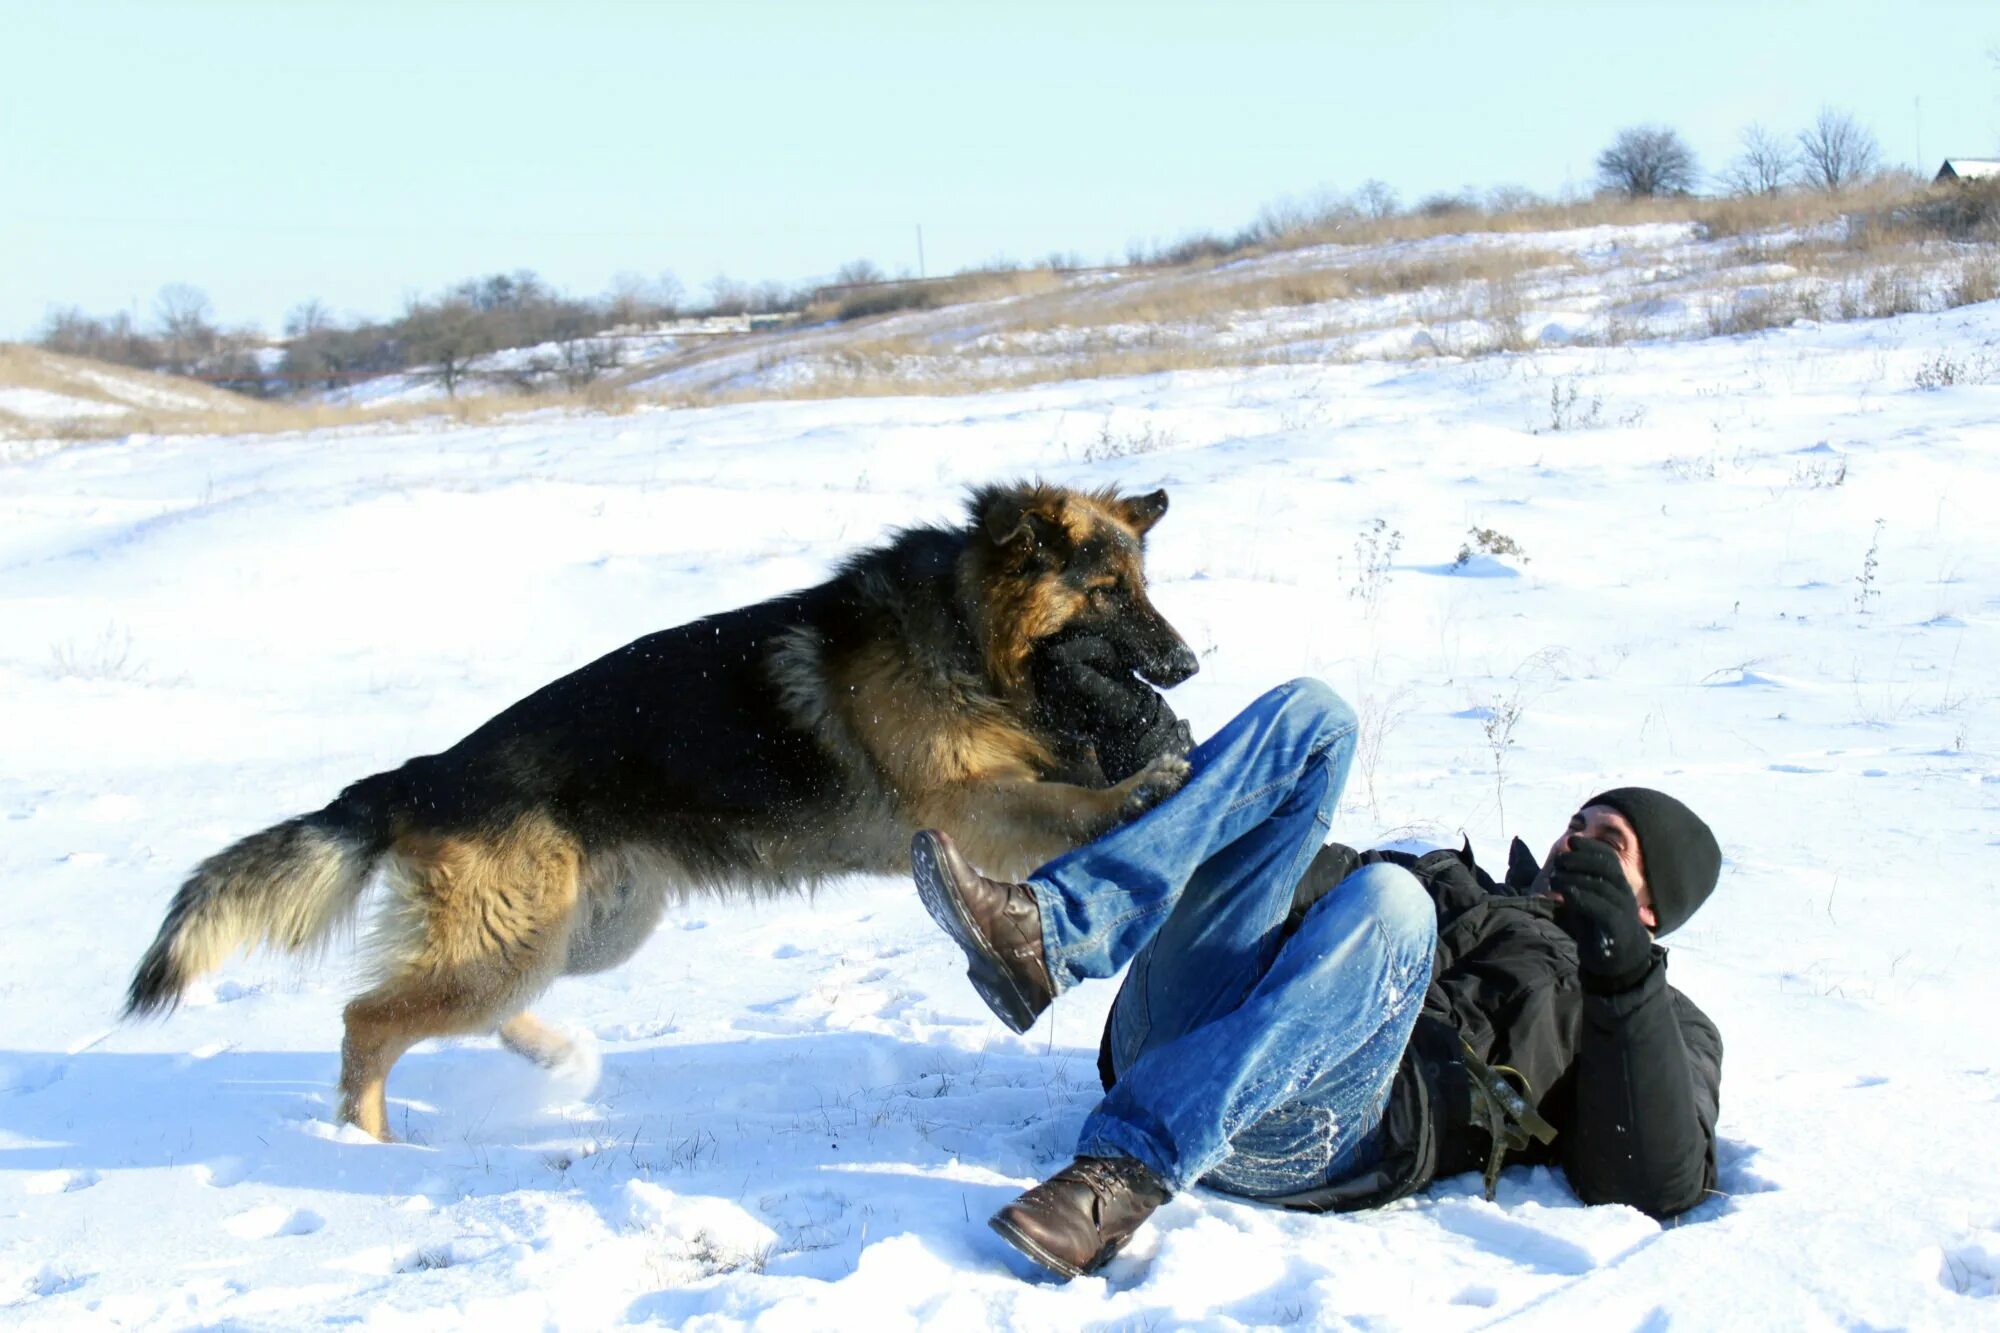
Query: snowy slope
[[800, 1115], [42, 390], [1450, 294], [1447, 295]]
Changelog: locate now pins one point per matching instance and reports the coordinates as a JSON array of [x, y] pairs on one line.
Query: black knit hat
[[1680, 854]]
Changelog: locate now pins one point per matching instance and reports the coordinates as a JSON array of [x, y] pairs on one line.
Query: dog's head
[[1057, 561]]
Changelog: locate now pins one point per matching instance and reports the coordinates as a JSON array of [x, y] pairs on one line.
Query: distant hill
[[44, 393], [1461, 284]]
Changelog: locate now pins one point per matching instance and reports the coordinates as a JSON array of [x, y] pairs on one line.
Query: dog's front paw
[[1155, 783]]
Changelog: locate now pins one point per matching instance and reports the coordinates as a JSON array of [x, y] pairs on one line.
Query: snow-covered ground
[[1760, 572]]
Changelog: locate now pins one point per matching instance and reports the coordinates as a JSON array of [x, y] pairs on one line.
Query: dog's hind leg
[[381, 1026], [475, 927], [532, 1039]]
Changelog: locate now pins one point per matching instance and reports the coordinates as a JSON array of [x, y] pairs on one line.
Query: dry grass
[[1831, 281], [1212, 296], [1750, 309], [27, 367], [211, 411], [874, 373], [1978, 280], [1718, 218], [1603, 212], [1801, 210], [886, 298]]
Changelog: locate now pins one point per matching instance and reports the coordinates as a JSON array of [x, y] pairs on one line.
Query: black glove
[[1123, 755], [1613, 950], [1083, 690]]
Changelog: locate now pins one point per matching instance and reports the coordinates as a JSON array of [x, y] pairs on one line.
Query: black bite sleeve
[[1082, 692], [1123, 752], [1648, 1089]]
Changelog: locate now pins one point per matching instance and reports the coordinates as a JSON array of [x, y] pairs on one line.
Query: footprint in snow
[[273, 1220], [205, 1051], [425, 1258], [30, 1074], [642, 1030], [1744, 678], [1566, 1241], [221, 1173], [59, 1182], [777, 1026], [388, 1261], [1973, 1268], [1734, 1174], [37, 1283]]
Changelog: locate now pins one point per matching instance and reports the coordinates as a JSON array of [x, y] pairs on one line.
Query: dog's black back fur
[[684, 736]]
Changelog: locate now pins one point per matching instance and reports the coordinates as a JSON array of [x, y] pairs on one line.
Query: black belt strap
[[1507, 1115]]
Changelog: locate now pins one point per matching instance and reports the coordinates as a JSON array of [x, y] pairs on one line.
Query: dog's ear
[[1143, 511], [1021, 515], [1004, 515]]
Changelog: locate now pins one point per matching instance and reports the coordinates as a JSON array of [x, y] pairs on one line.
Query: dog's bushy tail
[[286, 888]]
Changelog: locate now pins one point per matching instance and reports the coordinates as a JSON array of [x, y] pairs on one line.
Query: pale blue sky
[[361, 152]]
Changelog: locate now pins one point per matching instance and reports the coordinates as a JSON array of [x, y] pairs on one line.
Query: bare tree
[[580, 360], [320, 351], [518, 290], [1763, 166], [187, 327], [110, 338], [68, 330], [634, 298], [726, 296], [668, 291], [448, 335], [1376, 199], [1512, 199], [857, 271], [182, 309], [307, 318], [1647, 160], [1835, 151], [1445, 203], [1278, 219]]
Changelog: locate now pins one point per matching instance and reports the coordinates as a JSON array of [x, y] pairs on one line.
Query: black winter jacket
[[1631, 1081]]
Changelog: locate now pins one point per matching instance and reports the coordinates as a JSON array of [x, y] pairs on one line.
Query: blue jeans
[[1255, 1063]]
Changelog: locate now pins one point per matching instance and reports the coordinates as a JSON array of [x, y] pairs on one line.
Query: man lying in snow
[[1323, 1028]]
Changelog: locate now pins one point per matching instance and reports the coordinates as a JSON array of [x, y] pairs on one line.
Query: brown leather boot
[[1073, 1222], [997, 924]]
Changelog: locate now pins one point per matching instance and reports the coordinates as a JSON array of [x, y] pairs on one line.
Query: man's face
[[1610, 828]]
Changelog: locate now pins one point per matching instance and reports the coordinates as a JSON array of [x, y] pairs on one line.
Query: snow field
[[797, 1114]]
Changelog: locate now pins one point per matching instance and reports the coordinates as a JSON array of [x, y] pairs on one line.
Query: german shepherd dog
[[754, 751]]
